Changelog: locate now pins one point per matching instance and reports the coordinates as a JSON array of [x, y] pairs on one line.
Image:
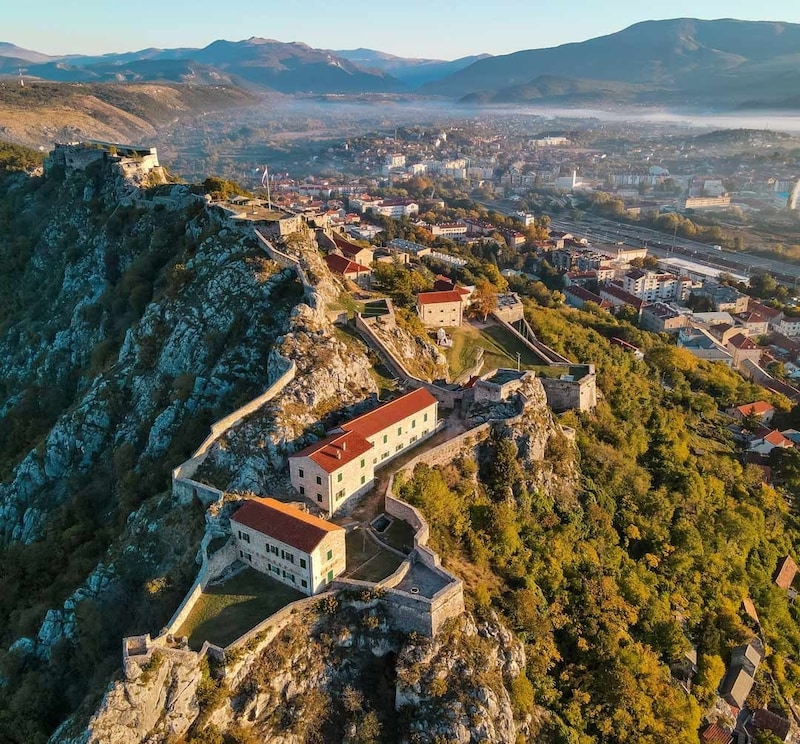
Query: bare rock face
[[160, 702], [454, 686]]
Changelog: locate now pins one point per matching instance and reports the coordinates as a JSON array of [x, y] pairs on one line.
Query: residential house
[[739, 679], [765, 444], [343, 464], [703, 346], [789, 326], [348, 269], [760, 409], [353, 251], [441, 309], [752, 323], [785, 573], [619, 298], [722, 297], [741, 347], [661, 318], [765, 720], [288, 544], [577, 296]]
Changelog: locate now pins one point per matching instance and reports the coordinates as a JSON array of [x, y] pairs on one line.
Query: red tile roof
[[390, 413], [785, 573], [283, 522], [335, 451], [715, 734], [777, 439], [435, 298], [759, 408], [740, 341], [341, 265]]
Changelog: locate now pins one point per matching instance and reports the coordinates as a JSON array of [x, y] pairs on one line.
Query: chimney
[[344, 446], [338, 454]]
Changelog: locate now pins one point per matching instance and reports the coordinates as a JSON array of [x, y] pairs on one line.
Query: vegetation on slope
[[669, 534]]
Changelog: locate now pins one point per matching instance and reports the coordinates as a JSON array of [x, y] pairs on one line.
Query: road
[[601, 230]]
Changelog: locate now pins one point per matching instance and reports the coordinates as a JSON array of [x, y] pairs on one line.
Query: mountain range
[[719, 63]]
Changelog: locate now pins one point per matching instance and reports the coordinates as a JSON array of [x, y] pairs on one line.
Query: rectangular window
[[413, 423], [384, 455], [398, 448], [241, 554], [302, 490], [301, 472], [339, 478], [273, 549], [385, 438], [340, 495], [363, 479], [249, 557], [292, 579], [329, 555], [245, 537], [319, 497], [363, 462], [304, 583], [399, 431], [319, 480], [413, 439], [302, 563], [374, 460], [425, 417], [330, 576], [290, 557]]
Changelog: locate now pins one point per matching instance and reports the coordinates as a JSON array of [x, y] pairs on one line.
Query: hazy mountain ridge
[[721, 61]]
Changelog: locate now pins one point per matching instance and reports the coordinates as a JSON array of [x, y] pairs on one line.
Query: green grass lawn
[[366, 561], [226, 611], [500, 349]]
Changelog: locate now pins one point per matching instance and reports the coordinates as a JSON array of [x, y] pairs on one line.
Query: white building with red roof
[[344, 267], [759, 409], [764, 445], [343, 464], [441, 309], [288, 544]]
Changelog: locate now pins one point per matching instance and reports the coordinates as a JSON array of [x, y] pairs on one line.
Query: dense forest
[[669, 533]]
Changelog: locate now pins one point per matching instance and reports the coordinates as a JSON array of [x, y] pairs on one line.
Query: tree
[[484, 299]]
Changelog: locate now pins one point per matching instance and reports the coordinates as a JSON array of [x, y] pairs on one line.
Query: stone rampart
[[184, 488]]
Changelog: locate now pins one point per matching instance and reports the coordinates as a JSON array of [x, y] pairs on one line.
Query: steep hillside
[[126, 326], [42, 113], [686, 55]]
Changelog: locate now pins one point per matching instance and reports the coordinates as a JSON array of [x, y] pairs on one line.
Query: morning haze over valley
[[431, 378]]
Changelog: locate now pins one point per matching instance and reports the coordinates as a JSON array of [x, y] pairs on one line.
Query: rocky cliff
[[131, 319], [338, 674]]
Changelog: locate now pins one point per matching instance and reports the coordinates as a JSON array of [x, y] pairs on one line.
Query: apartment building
[[289, 545], [656, 285]]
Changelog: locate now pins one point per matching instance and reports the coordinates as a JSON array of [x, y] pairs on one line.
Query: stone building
[[289, 545], [343, 464], [441, 309]]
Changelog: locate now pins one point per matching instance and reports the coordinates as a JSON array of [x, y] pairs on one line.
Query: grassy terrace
[[366, 561], [226, 611], [500, 350]]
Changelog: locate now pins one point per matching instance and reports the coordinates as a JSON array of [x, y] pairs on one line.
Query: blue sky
[[442, 29]]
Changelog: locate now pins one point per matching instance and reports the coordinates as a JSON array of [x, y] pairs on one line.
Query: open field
[[226, 611], [500, 349]]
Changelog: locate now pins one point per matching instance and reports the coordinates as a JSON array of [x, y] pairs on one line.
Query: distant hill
[[45, 112], [692, 59], [555, 89], [411, 71], [255, 62]]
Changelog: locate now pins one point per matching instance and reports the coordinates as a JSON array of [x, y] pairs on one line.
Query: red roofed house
[[343, 465], [715, 734], [785, 573], [761, 410], [742, 347], [353, 251], [441, 309], [342, 266], [289, 545], [764, 445]]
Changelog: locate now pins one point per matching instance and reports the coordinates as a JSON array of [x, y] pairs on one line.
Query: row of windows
[[277, 570], [400, 430], [244, 536]]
